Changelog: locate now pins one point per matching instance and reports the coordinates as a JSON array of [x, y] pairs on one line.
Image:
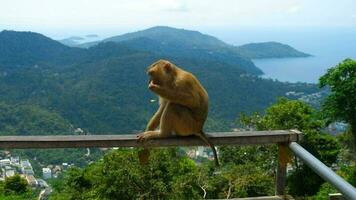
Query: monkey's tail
[[208, 142]]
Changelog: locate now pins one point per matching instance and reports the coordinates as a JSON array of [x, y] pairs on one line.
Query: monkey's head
[[162, 73]]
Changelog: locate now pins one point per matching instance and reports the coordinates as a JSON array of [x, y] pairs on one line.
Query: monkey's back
[[198, 93]]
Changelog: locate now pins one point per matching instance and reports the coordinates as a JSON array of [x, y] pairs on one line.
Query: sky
[[64, 18]]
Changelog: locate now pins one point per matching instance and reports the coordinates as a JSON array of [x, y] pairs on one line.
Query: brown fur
[[183, 104]]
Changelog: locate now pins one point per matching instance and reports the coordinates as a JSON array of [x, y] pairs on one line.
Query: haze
[[64, 18]]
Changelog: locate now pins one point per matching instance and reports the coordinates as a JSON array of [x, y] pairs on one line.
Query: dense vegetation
[[16, 188], [31, 120], [340, 104]]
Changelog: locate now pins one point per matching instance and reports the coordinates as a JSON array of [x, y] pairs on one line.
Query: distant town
[[12, 165]]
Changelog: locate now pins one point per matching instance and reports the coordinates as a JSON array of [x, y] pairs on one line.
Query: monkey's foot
[[143, 137]]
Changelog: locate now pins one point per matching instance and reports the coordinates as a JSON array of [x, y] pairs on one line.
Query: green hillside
[[269, 50], [168, 41], [187, 42], [31, 120], [103, 89], [173, 36]]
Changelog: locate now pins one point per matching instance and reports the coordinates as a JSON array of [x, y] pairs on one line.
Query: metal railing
[[323, 171], [283, 138]]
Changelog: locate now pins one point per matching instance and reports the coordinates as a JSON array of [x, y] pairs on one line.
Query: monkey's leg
[[144, 154], [155, 120], [167, 118], [151, 126]]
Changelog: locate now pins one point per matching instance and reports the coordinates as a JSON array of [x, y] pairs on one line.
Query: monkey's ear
[[168, 67]]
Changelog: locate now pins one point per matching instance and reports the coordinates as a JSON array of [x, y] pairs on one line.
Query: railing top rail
[[79, 141]]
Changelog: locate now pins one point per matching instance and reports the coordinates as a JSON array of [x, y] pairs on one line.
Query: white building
[[46, 173], [28, 171], [10, 172], [15, 161], [65, 166], [25, 163], [201, 152], [4, 162]]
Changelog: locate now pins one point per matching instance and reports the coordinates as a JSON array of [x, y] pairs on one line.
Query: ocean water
[[329, 46]]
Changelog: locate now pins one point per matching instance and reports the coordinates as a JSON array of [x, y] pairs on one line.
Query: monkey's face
[[161, 73], [155, 75]]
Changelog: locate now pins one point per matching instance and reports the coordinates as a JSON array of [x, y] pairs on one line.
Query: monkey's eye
[[150, 72]]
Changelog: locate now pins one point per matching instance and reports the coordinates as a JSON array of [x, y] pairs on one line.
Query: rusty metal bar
[[281, 168]]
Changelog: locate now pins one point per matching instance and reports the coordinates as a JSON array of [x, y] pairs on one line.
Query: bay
[[328, 45]]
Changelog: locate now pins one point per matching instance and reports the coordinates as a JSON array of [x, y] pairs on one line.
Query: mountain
[[168, 41], [269, 50], [173, 36], [28, 48], [103, 89]]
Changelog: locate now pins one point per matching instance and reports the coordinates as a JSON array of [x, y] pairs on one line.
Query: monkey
[[183, 104]]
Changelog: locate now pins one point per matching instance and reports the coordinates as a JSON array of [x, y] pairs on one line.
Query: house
[[46, 173]]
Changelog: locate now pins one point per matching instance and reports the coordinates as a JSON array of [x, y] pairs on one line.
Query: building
[[9, 173], [5, 162], [27, 171], [65, 166], [25, 163], [46, 173], [15, 161], [26, 167], [201, 152]]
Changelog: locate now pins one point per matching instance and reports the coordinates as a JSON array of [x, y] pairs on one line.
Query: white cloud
[[294, 9]]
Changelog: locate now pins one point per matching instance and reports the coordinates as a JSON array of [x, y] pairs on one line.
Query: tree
[[241, 180], [168, 175], [340, 105], [294, 114], [15, 184]]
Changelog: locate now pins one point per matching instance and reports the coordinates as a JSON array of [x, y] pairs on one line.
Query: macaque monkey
[[183, 104]]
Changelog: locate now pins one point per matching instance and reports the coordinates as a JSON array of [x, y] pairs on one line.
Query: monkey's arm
[[155, 120], [175, 96]]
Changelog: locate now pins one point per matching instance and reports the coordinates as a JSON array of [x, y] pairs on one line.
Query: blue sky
[[60, 18]]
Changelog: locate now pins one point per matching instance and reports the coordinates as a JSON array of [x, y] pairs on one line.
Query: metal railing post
[[281, 169]]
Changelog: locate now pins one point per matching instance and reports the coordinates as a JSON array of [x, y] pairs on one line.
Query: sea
[[328, 47]]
